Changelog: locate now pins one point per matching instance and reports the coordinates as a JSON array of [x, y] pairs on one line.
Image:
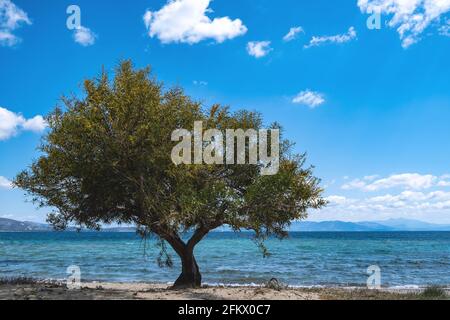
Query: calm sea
[[306, 259]]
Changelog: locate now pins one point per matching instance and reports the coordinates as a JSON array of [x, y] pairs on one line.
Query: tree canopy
[[106, 158]]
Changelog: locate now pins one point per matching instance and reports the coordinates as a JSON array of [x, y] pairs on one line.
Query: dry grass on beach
[[27, 289]]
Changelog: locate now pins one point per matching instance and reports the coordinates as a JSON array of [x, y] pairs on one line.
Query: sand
[[144, 291]]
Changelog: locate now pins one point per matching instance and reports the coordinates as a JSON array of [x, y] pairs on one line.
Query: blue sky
[[370, 106]]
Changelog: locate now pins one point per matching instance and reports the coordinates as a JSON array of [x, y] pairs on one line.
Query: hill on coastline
[[9, 225], [368, 226]]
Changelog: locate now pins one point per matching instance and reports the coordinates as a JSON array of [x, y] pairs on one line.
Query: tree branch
[[200, 233], [173, 239]]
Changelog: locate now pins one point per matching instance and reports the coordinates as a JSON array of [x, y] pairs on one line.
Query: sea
[[322, 259]]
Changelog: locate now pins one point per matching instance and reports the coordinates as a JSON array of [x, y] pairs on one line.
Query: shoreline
[[332, 286], [96, 290]]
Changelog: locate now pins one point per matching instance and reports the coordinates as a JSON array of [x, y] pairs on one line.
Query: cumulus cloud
[[444, 181], [414, 196], [186, 21], [5, 183], [339, 38], [410, 17], [293, 34], [258, 49], [309, 98], [410, 181], [12, 123], [337, 200], [411, 202], [11, 18], [36, 124], [7, 39], [84, 36], [445, 29]]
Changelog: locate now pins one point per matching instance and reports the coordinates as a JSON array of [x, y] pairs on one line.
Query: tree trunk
[[190, 276]]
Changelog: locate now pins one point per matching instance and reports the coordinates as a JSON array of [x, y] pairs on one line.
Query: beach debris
[[274, 284]]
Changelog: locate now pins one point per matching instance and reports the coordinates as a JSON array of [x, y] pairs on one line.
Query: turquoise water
[[329, 259]]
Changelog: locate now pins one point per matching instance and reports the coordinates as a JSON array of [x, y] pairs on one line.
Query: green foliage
[[106, 158], [434, 292]]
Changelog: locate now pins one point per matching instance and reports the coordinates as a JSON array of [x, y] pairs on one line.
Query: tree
[[106, 158]]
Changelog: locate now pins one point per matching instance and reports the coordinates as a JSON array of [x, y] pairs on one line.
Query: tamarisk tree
[[106, 158]]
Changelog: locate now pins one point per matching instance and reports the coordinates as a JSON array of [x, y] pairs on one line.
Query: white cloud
[[412, 201], [354, 184], [337, 200], [407, 204], [200, 83], [11, 18], [258, 49], [36, 124], [148, 16], [443, 183], [359, 183], [186, 21], [410, 181], [371, 178], [445, 29], [415, 196], [309, 98], [11, 123], [410, 17], [339, 38], [7, 39], [5, 183], [84, 36], [293, 33], [329, 184]]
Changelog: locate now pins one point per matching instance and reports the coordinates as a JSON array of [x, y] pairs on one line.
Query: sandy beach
[[144, 291]]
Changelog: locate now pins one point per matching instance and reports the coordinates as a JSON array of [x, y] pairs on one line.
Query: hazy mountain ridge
[[369, 226], [9, 225]]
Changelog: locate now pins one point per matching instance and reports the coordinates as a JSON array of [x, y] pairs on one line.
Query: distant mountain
[[388, 225], [364, 226], [119, 229], [413, 225], [336, 226], [9, 225]]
